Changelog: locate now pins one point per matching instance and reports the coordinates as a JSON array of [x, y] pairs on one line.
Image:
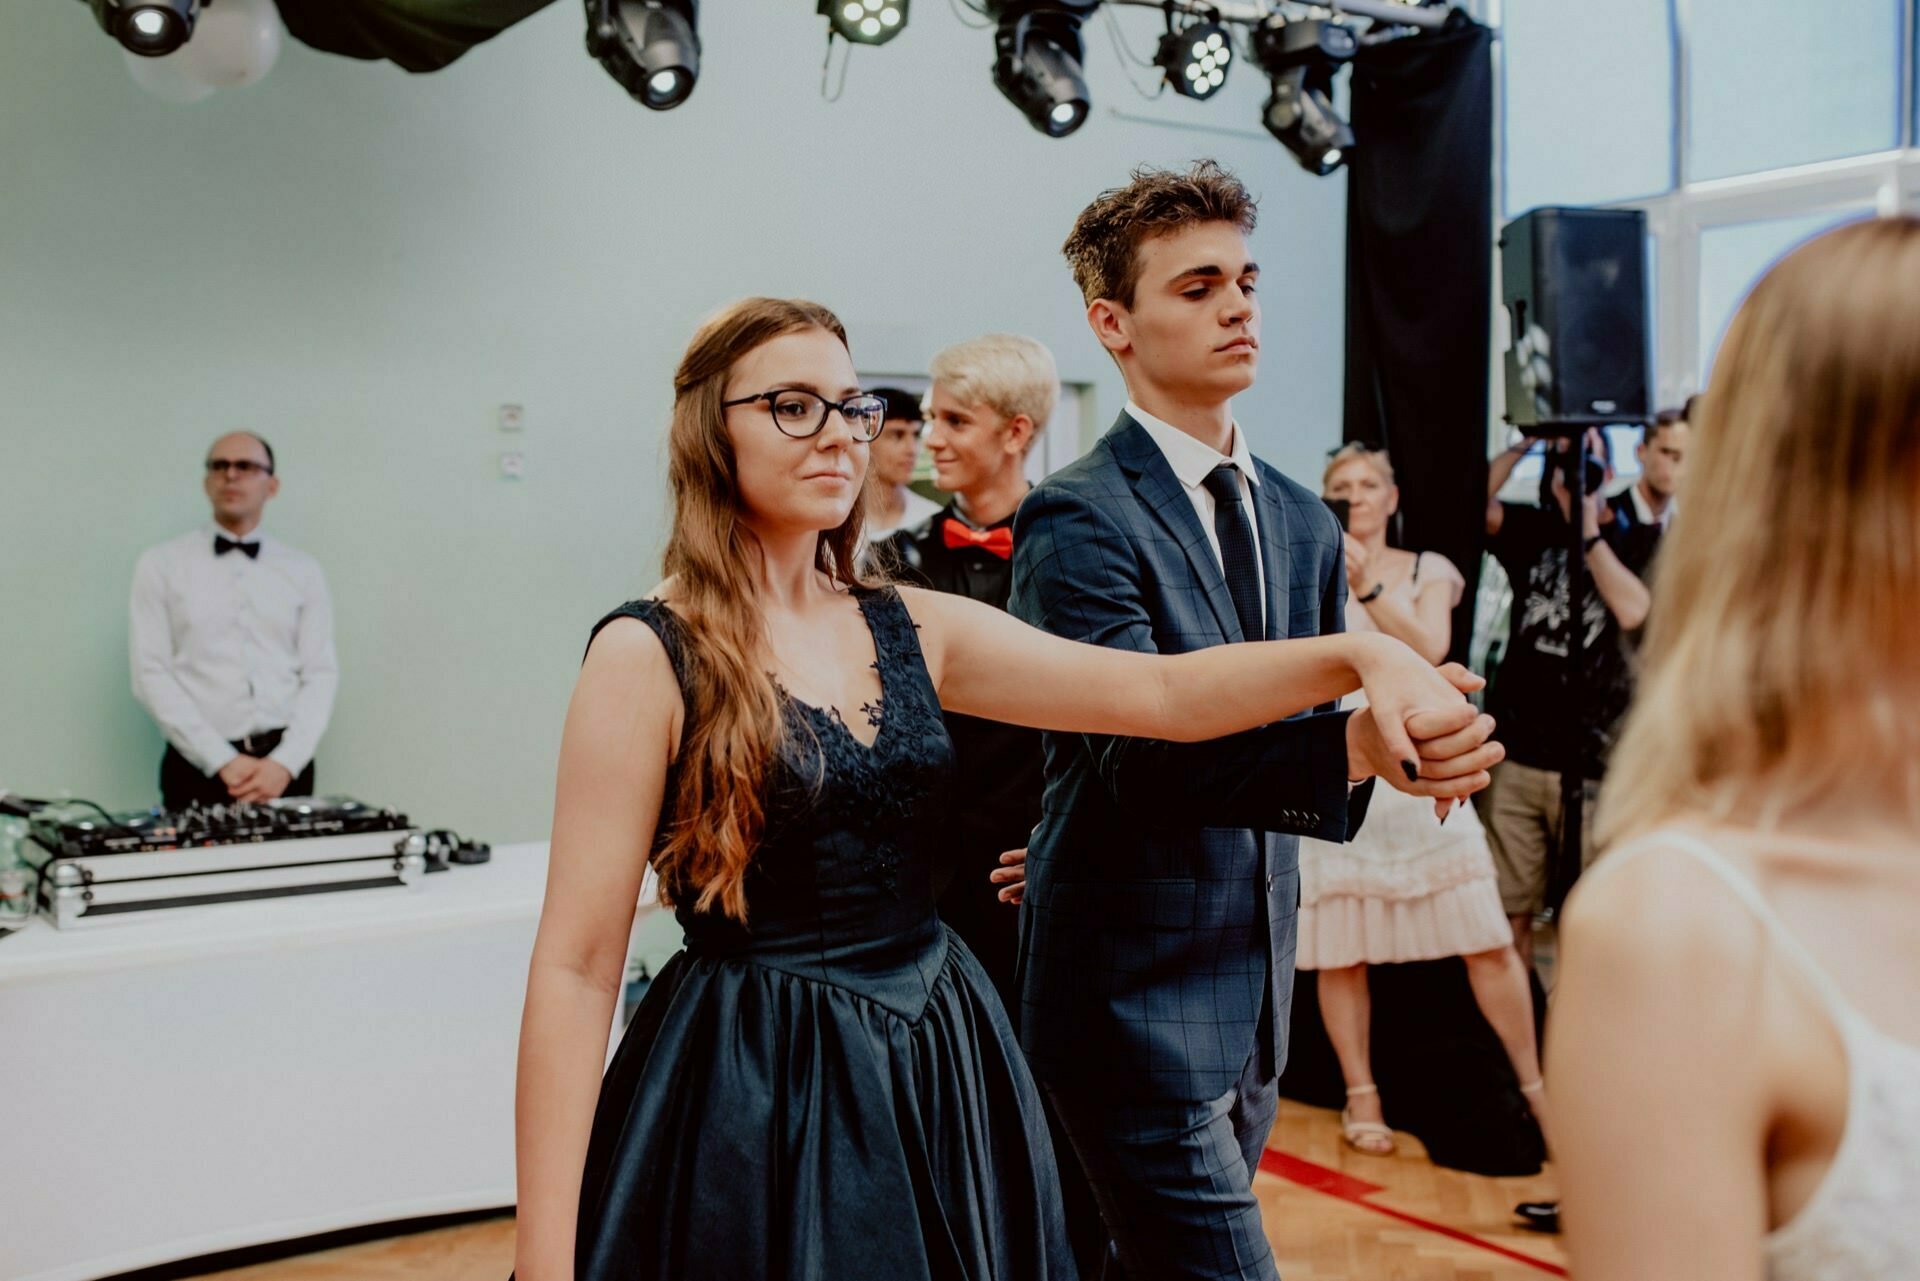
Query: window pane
[[1733, 258], [1774, 83], [1587, 102]]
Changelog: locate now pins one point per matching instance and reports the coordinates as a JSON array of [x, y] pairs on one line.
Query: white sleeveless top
[[1863, 1221]]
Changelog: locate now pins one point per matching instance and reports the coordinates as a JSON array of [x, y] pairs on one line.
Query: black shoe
[[1538, 1216]]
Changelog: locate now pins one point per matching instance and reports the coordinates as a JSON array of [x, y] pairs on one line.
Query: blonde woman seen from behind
[[1736, 1042]]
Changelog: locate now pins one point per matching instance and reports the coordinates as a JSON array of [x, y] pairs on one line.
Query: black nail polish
[[1444, 817], [1411, 770]]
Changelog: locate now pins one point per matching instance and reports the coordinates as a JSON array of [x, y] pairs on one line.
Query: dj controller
[[80, 835], [93, 865]]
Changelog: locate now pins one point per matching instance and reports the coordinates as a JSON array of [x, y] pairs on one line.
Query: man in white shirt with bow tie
[[232, 644]]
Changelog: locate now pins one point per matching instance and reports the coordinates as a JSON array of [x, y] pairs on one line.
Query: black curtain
[[1420, 280], [1419, 299], [419, 35], [1443, 1075]]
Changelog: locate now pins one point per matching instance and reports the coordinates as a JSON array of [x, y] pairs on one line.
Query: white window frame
[[1888, 182]]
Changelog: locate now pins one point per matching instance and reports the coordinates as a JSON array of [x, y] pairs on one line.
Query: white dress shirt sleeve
[[319, 678], [158, 689]]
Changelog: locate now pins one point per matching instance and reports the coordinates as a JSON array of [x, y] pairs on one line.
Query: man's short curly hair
[[1104, 247]]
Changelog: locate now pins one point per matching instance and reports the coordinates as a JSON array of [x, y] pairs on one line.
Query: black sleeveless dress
[[831, 1092]]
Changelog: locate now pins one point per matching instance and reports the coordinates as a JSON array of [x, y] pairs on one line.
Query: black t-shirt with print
[[1529, 696]]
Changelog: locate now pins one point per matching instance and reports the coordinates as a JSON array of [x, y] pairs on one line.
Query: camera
[[1596, 469]]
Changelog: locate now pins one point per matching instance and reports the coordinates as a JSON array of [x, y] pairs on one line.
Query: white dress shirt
[[228, 646], [1192, 461], [1645, 512]]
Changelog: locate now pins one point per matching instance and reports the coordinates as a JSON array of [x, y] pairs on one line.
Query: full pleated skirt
[[1406, 888], [755, 1123]]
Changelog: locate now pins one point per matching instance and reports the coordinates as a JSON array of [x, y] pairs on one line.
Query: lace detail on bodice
[[1863, 1222], [845, 819]]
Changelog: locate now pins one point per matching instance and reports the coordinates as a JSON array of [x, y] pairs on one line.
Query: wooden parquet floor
[[1422, 1223]]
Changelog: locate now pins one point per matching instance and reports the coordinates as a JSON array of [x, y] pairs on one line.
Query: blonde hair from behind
[[1009, 374], [1783, 655]]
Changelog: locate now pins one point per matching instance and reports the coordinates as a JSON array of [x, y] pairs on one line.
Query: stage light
[[865, 21], [652, 47], [149, 28], [1195, 58], [1302, 58], [1038, 62]]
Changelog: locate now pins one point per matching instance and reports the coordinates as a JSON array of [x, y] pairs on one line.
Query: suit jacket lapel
[[1166, 498], [1275, 558]]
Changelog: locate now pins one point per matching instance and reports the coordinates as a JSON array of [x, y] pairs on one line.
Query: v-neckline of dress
[[877, 713]]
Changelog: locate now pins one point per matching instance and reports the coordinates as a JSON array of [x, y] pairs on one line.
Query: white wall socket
[[513, 464], [512, 417]]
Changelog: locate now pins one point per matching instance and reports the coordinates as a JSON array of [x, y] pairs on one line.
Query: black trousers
[[182, 784]]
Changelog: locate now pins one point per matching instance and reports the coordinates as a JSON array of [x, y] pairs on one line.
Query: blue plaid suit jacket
[[1157, 937]]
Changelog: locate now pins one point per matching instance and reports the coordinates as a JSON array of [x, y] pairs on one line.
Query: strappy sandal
[[1369, 1138]]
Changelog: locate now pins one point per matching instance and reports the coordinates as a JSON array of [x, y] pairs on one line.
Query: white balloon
[[234, 43], [166, 77]]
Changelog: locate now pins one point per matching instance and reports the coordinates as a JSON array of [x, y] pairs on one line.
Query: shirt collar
[[953, 511], [1644, 512], [259, 534], [1191, 459]]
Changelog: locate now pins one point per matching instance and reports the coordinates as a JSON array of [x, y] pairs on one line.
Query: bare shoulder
[[626, 653], [923, 602], [1656, 912], [946, 611], [1438, 568], [937, 615]]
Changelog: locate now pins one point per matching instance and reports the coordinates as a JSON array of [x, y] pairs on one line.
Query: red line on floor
[[1345, 1187]]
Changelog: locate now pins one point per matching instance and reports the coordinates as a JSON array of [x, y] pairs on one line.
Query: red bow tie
[[998, 541]]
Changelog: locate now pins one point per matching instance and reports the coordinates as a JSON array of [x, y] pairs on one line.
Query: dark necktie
[[222, 545], [1237, 561]]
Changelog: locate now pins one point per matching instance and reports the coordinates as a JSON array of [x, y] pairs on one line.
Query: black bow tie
[[222, 545]]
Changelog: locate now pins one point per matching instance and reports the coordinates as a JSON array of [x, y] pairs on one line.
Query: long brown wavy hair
[[1783, 659], [734, 726]]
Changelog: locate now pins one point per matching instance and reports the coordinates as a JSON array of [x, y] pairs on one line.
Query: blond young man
[[991, 398]]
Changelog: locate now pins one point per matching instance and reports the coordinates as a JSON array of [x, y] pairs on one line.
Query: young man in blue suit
[[1156, 962]]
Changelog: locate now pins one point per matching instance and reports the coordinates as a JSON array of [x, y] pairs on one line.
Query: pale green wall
[[361, 265]]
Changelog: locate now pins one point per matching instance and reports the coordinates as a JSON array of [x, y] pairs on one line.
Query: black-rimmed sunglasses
[[803, 414]]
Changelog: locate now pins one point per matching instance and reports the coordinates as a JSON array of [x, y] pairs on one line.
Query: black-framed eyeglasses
[[241, 467], [802, 414]]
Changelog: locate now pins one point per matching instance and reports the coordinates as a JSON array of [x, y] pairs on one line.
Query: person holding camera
[[1538, 708], [1404, 888]]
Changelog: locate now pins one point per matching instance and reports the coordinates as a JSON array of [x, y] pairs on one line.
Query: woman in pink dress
[[1408, 887]]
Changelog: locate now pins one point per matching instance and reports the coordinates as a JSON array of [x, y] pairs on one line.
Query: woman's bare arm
[[620, 733], [1658, 1082], [1425, 625], [986, 663]]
